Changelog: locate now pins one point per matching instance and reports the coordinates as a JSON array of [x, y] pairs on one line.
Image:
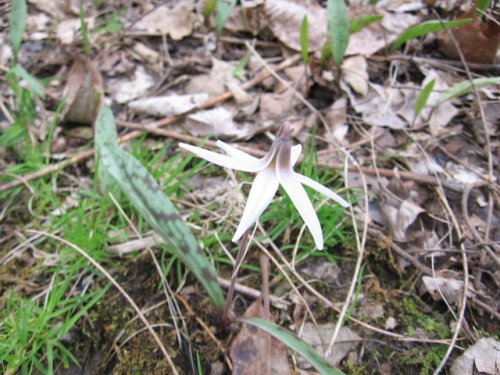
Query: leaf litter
[[153, 69]]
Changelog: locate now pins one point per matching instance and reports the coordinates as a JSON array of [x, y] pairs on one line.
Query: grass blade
[[338, 29], [426, 28], [34, 83], [17, 24], [304, 40], [294, 343], [224, 9], [423, 97], [466, 87], [147, 197], [360, 22]]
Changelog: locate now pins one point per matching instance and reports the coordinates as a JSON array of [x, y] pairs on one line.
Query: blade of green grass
[[466, 87], [223, 9], [304, 40], [360, 22], [423, 97], [338, 29], [148, 198], [294, 343], [34, 83], [426, 28], [17, 22]]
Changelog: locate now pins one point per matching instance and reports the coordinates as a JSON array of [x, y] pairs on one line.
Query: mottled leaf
[[294, 343], [426, 28], [338, 29], [105, 133], [423, 97], [18, 15], [148, 198], [466, 87]]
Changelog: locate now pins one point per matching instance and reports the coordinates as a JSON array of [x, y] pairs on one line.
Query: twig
[[120, 289], [86, 154], [277, 302]]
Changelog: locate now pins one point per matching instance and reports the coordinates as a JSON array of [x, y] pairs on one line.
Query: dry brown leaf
[[69, 28], [380, 105], [375, 37], [399, 219], [254, 351], [318, 337], [220, 77], [171, 105], [484, 356], [124, 90], [336, 117], [284, 18], [177, 21], [217, 122], [440, 287], [478, 41], [355, 73], [83, 92]]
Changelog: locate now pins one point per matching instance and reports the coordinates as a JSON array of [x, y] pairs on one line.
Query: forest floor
[[408, 278]]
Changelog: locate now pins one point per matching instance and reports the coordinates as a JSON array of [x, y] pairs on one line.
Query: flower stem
[[230, 293], [264, 266]]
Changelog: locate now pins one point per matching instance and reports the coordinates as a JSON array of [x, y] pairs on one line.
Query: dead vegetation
[[408, 281]]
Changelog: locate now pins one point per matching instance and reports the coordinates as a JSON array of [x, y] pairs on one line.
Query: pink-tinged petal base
[[263, 189], [321, 189], [299, 197]]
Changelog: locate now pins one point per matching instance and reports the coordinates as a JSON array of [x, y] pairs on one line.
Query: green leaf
[[360, 22], [466, 87], [423, 97], [426, 28], [481, 6], [240, 68], [224, 9], [17, 24], [338, 29], [294, 343], [34, 83], [147, 197], [105, 132], [209, 7], [304, 40]]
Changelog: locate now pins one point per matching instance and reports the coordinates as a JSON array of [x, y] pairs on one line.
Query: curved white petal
[[321, 189], [295, 153], [263, 189], [234, 152], [224, 160], [300, 199]]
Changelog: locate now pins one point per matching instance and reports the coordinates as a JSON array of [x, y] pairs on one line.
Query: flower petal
[[234, 152], [295, 151], [224, 160], [321, 189], [263, 189], [299, 197]]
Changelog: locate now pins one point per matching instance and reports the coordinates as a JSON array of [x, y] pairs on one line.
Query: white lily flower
[[273, 169]]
